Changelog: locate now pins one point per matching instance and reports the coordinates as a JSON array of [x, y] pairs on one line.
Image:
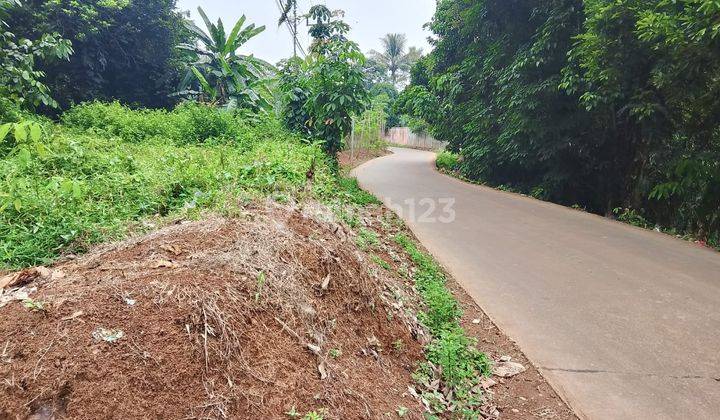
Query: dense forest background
[[123, 50], [613, 106]]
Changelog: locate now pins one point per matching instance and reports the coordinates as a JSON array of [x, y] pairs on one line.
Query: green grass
[[461, 363], [86, 184]]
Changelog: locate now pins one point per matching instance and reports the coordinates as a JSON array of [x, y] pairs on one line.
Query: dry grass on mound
[[222, 318]]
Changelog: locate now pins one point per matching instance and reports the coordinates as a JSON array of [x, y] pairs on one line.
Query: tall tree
[[123, 49], [289, 16], [396, 57], [610, 105]]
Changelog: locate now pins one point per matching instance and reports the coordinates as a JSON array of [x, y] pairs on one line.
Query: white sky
[[369, 21]]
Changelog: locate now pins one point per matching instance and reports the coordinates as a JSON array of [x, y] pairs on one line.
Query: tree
[[325, 90], [124, 50], [609, 105], [395, 58], [226, 77], [21, 82]]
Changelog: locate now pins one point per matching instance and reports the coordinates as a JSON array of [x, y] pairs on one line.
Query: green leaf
[[76, 190], [4, 130], [35, 132], [17, 204], [20, 133]]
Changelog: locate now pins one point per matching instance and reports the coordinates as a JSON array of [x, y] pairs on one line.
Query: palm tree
[[393, 56], [226, 77], [290, 7]]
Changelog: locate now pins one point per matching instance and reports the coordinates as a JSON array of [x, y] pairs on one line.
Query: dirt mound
[[224, 318]]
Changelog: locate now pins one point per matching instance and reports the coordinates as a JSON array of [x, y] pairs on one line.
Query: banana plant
[[223, 76]]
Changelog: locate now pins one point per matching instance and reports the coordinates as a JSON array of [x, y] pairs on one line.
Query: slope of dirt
[[222, 318]]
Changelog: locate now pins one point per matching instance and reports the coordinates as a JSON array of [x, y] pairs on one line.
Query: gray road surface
[[623, 322]]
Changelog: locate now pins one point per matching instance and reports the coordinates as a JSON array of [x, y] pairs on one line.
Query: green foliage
[[367, 239], [88, 184], [124, 49], [461, 363], [367, 127], [20, 79], [224, 76], [603, 104], [189, 123], [325, 90], [395, 58], [34, 305], [631, 217], [447, 161], [336, 92]]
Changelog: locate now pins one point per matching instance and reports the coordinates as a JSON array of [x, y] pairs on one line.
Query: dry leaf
[[323, 370], [173, 249], [23, 277], [75, 314], [326, 282], [165, 264]]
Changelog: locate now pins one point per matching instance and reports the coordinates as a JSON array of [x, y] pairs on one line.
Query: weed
[[367, 239], [109, 167], [34, 305], [335, 353], [293, 413], [398, 345], [402, 411], [459, 362], [382, 263], [447, 161], [260, 282], [632, 217], [314, 415]]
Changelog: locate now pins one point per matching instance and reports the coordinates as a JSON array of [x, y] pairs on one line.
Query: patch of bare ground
[[524, 396], [222, 318], [350, 160]]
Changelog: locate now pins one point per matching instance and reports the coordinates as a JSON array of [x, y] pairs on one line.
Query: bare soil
[[221, 318], [248, 317], [349, 160]]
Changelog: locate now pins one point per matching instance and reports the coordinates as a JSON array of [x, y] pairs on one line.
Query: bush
[[447, 161], [86, 187], [188, 123]]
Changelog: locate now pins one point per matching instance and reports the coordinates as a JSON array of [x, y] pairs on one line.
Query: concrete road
[[623, 322]]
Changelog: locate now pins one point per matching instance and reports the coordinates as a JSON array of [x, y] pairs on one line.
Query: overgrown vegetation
[[124, 50], [104, 169], [108, 166], [461, 364], [596, 103], [447, 161]]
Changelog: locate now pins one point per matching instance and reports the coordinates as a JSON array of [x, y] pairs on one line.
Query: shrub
[[447, 161], [84, 186], [188, 123]]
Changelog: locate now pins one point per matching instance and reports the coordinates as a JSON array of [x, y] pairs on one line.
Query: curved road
[[624, 322]]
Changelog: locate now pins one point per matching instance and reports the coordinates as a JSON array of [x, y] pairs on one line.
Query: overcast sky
[[369, 20]]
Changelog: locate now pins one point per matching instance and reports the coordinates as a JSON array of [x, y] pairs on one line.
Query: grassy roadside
[[106, 171], [448, 382]]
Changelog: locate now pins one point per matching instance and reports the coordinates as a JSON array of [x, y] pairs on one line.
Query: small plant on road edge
[[451, 354]]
